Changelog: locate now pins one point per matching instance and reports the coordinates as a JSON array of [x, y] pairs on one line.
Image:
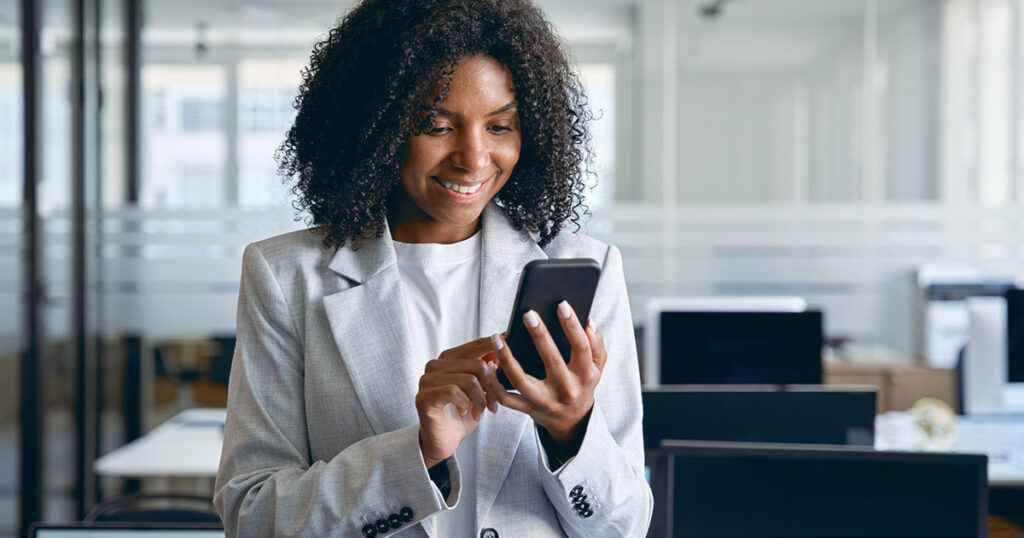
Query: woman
[[438, 148]]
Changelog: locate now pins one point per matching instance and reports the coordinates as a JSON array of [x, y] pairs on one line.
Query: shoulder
[[300, 251], [579, 245]]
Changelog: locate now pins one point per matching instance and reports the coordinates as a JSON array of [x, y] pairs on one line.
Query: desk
[[1001, 437], [900, 383], [187, 445]]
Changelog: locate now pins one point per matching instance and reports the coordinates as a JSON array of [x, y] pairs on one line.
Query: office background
[[824, 149]]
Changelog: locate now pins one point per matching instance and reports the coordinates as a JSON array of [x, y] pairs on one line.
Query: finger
[[481, 368], [473, 349], [435, 398], [554, 364], [474, 366], [490, 363], [508, 399], [597, 345], [525, 383], [581, 357], [468, 383]]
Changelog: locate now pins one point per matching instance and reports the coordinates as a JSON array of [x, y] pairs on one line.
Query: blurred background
[[843, 151]]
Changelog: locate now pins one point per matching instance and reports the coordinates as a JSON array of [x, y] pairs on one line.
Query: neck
[[410, 224], [424, 231]]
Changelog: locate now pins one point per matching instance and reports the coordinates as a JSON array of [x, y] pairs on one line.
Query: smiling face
[[457, 166]]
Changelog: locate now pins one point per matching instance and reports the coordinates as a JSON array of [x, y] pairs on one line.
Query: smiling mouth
[[455, 187]]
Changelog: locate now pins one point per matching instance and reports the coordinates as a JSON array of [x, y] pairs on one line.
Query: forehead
[[480, 80]]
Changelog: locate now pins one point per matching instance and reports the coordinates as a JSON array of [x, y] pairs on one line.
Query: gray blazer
[[322, 430]]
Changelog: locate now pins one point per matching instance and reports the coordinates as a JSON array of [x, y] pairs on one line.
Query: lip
[[458, 196]]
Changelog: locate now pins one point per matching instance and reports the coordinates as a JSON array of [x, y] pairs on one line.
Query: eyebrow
[[446, 112]]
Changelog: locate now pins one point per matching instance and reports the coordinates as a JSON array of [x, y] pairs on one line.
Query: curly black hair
[[376, 79]]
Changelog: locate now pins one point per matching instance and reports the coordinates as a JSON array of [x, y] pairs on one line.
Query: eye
[[439, 129], [501, 128]]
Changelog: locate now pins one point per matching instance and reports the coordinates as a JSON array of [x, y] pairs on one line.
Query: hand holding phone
[[543, 285], [555, 365]]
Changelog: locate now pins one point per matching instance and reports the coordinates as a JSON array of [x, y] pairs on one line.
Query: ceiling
[[779, 31]]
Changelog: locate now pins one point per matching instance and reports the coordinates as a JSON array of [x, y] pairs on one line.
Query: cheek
[[419, 159], [507, 156]]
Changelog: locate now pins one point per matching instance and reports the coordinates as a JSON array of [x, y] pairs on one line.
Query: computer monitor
[[987, 387], [658, 306], [755, 344], [809, 414], [1015, 336], [126, 530], [755, 489]]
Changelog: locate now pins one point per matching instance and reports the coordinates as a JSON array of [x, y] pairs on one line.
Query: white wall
[[785, 108]]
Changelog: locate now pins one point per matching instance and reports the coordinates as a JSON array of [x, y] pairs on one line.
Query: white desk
[[189, 445], [186, 445], [1001, 437]]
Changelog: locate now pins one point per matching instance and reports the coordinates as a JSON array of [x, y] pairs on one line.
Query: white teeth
[[462, 189]]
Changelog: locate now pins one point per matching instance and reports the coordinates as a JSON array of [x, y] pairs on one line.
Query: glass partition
[[11, 269]]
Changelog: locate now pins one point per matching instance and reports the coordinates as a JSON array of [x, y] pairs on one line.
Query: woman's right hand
[[452, 398]]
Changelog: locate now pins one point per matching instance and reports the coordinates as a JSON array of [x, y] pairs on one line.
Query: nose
[[472, 153]]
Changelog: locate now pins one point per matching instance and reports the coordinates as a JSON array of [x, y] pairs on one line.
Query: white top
[[441, 284]]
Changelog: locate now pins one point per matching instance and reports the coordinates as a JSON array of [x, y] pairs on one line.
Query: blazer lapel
[[504, 253], [370, 329]]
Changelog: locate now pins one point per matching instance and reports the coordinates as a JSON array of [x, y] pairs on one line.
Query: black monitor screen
[[741, 347], [126, 530], [1015, 336], [835, 417], [770, 493]]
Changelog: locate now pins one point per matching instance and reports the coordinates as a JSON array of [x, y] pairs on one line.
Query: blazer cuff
[[421, 487], [579, 474], [454, 482]]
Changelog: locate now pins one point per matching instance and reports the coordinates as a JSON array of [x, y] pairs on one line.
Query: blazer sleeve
[[602, 491], [267, 484]]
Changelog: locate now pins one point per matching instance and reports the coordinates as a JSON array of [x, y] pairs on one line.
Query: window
[[599, 83], [10, 135], [184, 137], [266, 90]]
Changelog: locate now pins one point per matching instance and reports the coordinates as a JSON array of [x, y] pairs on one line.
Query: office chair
[[150, 508], [220, 364]]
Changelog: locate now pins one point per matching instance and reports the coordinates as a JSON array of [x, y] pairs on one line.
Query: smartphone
[[544, 284]]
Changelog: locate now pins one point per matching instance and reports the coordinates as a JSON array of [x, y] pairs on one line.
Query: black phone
[[544, 284]]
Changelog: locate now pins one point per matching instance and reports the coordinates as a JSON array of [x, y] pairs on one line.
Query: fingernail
[[564, 310], [496, 342], [532, 319], [489, 366], [492, 406], [452, 411], [590, 323]]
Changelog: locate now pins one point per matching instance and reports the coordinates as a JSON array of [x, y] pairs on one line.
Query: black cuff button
[[576, 490], [586, 513], [582, 506], [394, 521], [406, 514], [579, 498], [369, 531], [488, 533], [382, 525]]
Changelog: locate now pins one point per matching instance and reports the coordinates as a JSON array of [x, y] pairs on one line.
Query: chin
[[461, 219]]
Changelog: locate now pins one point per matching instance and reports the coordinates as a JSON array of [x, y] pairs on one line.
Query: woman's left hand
[[563, 399]]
